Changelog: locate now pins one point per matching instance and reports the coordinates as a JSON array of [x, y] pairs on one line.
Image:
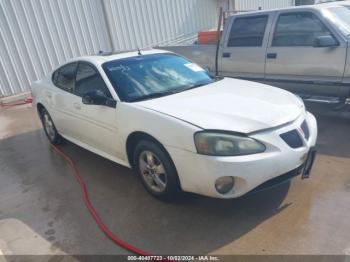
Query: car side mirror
[[326, 41], [97, 97]]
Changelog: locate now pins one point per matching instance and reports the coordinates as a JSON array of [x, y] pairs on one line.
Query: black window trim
[[75, 76], [96, 70], [299, 12], [247, 17], [58, 69]]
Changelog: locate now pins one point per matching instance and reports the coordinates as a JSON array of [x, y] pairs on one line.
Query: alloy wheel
[[49, 126], [153, 171]]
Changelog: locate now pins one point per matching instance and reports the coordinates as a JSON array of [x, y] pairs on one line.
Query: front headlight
[[222, 144]]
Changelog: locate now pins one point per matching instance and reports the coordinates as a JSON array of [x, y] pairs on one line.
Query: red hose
[[93, 212], [28, 100], [85, 195]]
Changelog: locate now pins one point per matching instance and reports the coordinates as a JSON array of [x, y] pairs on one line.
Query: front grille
[[306, 130], [292, 138]]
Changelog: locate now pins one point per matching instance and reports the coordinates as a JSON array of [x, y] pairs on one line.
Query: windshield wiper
[[153, 95]]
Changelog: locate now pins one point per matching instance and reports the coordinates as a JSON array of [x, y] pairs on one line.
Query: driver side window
[[88, 79], [298, 29]]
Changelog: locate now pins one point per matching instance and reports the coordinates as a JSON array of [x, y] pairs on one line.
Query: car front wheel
[[156, 171]]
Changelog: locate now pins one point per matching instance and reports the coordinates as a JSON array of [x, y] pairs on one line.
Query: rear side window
[[248, 31], [88, 79], [298, 29], [64, 77]]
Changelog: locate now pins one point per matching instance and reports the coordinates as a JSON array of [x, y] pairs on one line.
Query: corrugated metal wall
[[38, 35], [148, 23], [263, 4]]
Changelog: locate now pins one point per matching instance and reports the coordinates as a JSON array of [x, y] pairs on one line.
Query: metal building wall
[[38, 35], [263, 4], [146, 23]]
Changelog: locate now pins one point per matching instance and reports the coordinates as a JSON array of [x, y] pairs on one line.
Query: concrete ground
[[41, 210]]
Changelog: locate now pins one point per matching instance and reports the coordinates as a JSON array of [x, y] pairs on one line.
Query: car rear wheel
[[49, 127], [156, 171]]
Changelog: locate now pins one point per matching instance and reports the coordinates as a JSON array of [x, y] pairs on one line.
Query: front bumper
[[198, 173]]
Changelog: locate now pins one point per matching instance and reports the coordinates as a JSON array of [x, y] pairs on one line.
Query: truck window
[[248, 31], [298, 29], [340, 17]]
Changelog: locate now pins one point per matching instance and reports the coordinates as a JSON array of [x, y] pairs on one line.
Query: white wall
[[38, 35], [245, 5], [147, 23]]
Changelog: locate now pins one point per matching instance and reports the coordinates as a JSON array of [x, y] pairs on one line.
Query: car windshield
[[340, 17], [151, 76]]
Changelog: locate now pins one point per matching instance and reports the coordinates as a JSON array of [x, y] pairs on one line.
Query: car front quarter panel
[[167, 130]]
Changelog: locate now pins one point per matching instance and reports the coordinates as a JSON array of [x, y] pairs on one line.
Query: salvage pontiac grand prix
[[177, 127]]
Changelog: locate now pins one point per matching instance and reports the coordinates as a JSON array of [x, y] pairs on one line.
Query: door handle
[[226, 55], [271, 55], [77, 106]]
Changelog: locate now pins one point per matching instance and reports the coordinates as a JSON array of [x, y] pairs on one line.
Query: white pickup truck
[[302, 49]]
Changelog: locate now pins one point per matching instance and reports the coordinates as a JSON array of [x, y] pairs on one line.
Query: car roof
[[296, 8], [102, 58]]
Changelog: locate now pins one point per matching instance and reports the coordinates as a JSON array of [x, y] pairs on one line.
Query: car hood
[[231, 105]]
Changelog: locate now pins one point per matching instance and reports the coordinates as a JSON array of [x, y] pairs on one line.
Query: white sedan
[[177, 127]]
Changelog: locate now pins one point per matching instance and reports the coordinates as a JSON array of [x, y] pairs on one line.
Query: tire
[[49, 128], [161, 179]]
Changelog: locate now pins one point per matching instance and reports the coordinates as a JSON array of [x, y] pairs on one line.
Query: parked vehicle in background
[[302, 49], [177, 127]]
